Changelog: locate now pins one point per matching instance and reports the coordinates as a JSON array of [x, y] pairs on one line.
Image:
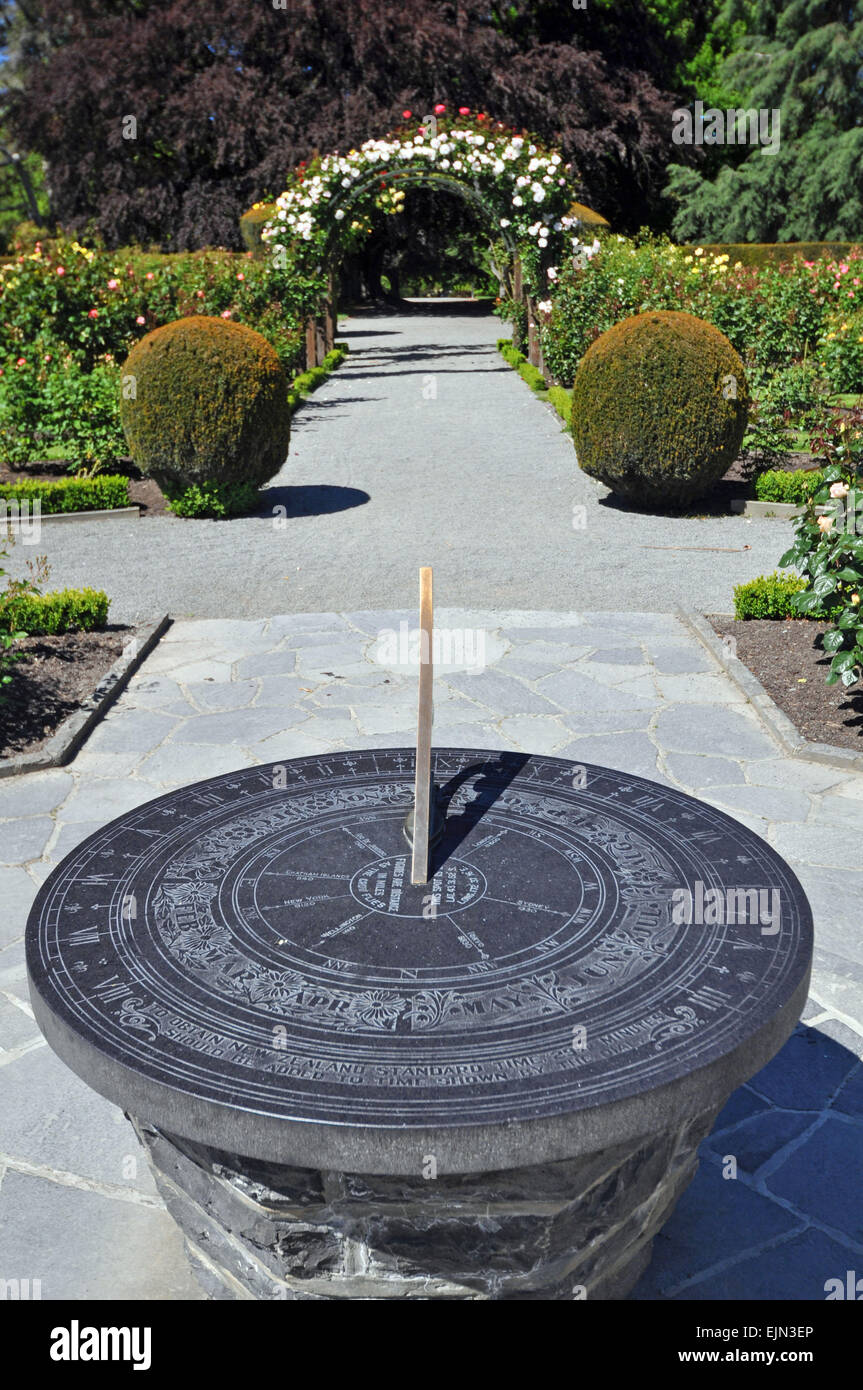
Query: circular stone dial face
[[255, 941]]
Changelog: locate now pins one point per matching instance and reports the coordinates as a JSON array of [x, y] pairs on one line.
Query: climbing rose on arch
[[524, 186]]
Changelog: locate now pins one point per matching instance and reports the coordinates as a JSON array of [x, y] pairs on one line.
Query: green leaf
[[824, 584], [843, 661], [790, 557], [806, 603], [833, 641], [849, 575], [849, 677]]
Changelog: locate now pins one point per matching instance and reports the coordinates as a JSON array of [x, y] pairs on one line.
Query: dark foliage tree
[[161, 121]]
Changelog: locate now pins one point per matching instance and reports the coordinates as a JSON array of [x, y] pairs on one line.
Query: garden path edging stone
[[778, 723], [73, 732]]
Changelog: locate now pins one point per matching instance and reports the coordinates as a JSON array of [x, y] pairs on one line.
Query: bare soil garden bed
[[787, 658], [50, 682]]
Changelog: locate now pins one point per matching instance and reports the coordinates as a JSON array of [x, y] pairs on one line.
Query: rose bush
[[774, 315], [70, 313], [828, 550]]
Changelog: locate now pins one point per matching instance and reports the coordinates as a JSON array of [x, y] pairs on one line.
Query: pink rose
[[22, 362], [140, 319], [226, 313], [149, 275], [200, 294], [93, 314], [61, 270], [113, 284], [464, 110], [406, 115], [439, 109], [240, 275]]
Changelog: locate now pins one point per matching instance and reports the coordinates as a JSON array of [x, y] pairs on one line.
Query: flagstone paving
[[78, 1209]]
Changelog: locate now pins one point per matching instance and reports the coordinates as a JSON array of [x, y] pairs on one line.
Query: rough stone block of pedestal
[[266, 1231]]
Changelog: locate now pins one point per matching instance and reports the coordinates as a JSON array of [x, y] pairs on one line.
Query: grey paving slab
[[844, 810], [794, 1270], [742, 1105], [537, 733], [716, 1220], [17, 891], [836, 896], [794, 772], [770, 802], [760, 1139], [176, 763], [849, 1098], [824, 1175], [53, 1121], [679, 661], [22, 840], [702, 770], [696, 728], [16, 1029], [34, 795], [83, 1245], [141, 731], [237, 727], [632, 752], [221, 695], [577, 694], [103, 799], [834, 846], [504, 694], [806, 1073], [837, 980]]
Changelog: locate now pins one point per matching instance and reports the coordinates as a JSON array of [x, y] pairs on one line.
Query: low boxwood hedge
[[102, 493], [770, 596], [558, 396], [66, 610], [309, 381], [777, 485]]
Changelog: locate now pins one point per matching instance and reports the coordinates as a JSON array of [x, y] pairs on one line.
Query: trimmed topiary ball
[[210, 405], [659, 408], [252, 224]]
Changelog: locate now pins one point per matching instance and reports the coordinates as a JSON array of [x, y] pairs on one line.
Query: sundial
[[263, 962]]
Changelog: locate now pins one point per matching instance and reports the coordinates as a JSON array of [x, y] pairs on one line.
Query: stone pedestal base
[[577, 1228]]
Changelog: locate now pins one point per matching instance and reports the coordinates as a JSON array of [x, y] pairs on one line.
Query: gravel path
[[425, 448]]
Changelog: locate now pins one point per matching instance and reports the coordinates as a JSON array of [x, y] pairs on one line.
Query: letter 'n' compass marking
[[424, 824]]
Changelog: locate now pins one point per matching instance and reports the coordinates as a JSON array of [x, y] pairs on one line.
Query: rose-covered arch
[[520, 188]]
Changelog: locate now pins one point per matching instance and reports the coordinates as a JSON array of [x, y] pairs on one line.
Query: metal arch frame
[[415, 177]]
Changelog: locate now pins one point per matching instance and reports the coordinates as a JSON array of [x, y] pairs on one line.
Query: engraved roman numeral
[[108, 991], [86, 936]]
